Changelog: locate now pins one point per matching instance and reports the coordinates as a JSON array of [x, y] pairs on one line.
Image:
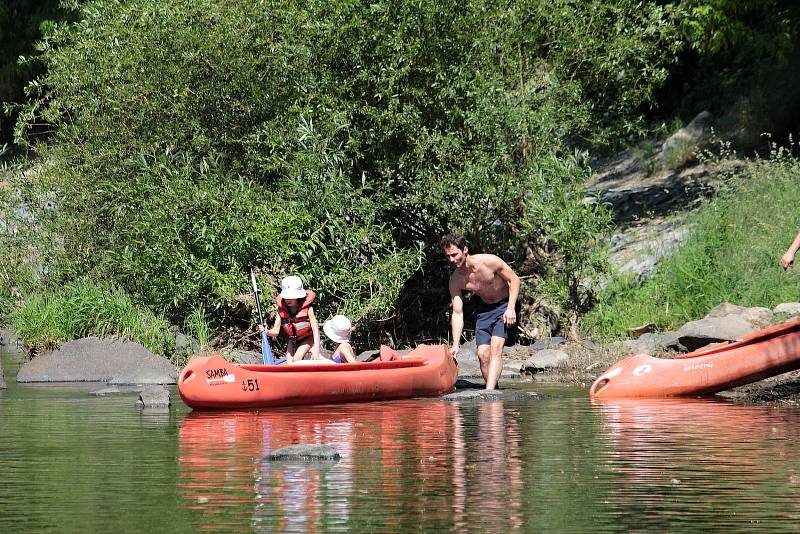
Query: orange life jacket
[[297, 326]]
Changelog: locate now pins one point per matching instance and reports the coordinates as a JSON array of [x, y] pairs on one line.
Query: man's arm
[[457, 317], [511, 278], [788, 257]]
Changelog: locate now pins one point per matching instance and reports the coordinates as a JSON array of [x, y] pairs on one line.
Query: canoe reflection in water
[[405, 464], [718, 455]]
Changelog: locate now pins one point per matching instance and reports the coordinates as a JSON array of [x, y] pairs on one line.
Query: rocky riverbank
[[553, 360]]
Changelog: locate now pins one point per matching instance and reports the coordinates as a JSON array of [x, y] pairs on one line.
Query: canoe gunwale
[[335, 368]]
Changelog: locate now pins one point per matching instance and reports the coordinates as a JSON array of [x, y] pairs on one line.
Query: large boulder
[[697, 334], [760, 317], [99, 360]]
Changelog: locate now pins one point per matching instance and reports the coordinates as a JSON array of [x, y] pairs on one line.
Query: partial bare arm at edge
[[788, 257]]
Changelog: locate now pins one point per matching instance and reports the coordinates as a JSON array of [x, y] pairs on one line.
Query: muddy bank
[[782, 391]]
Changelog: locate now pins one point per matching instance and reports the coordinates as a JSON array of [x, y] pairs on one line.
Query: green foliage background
[[333, 139], [180, 142]]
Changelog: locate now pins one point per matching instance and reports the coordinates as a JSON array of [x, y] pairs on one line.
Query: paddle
[[266, 350]]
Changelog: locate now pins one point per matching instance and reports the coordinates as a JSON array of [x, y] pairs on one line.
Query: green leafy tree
[[337, 140]]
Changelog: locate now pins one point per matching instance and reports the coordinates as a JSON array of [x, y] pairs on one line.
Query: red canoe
[[213, 382], [714, 368]]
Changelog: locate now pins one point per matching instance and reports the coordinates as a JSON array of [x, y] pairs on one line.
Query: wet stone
[[154, 397], [105, 392], [491, 394], [305, 453]]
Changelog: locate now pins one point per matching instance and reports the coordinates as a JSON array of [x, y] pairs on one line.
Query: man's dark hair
[[455, 239]]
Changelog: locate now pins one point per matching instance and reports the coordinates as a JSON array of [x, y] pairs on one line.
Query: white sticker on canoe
[[697, 366], [642, 370], [227, 379]]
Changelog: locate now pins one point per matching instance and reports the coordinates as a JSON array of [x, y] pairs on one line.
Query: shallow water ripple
[[74, 463]]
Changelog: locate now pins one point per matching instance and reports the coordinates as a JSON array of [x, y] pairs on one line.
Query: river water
[[71, 462]]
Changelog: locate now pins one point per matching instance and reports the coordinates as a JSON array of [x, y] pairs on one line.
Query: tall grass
[[732, 255], [83, 309], [197, 327]]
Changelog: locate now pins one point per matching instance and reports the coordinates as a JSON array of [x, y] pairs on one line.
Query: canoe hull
[[721, 366], [212, 382]]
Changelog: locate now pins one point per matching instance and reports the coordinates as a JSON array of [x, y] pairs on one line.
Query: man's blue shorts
[[490, 323]]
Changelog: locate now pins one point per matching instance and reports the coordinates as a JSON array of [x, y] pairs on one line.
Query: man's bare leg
[[484, 358], [495, 361], [491, 360]]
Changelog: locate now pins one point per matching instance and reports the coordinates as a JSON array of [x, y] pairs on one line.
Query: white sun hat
[[292, 288], [338, 328]]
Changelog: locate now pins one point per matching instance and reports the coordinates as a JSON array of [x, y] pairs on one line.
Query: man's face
[[456, 256]]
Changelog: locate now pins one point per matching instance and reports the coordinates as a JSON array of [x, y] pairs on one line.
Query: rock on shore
[[99, 360]]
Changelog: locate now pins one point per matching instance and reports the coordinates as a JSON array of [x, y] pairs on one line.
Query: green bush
[[334, 139], [83, 309]]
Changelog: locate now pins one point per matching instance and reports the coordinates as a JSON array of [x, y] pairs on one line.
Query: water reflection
[[704, 458], [487, 479], [405, 465]]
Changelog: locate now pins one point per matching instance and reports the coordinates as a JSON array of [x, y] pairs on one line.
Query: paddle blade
[[266, 350]]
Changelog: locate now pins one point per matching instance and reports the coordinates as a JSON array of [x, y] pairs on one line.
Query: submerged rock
[[305, 452], [154, 397], [99, 360], [105, 392], [492, 394]]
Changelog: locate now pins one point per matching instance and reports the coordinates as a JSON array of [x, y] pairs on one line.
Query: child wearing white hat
[[338, 329], [297, 320]]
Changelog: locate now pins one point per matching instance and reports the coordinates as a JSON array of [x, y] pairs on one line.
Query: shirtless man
[[498, 287]]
